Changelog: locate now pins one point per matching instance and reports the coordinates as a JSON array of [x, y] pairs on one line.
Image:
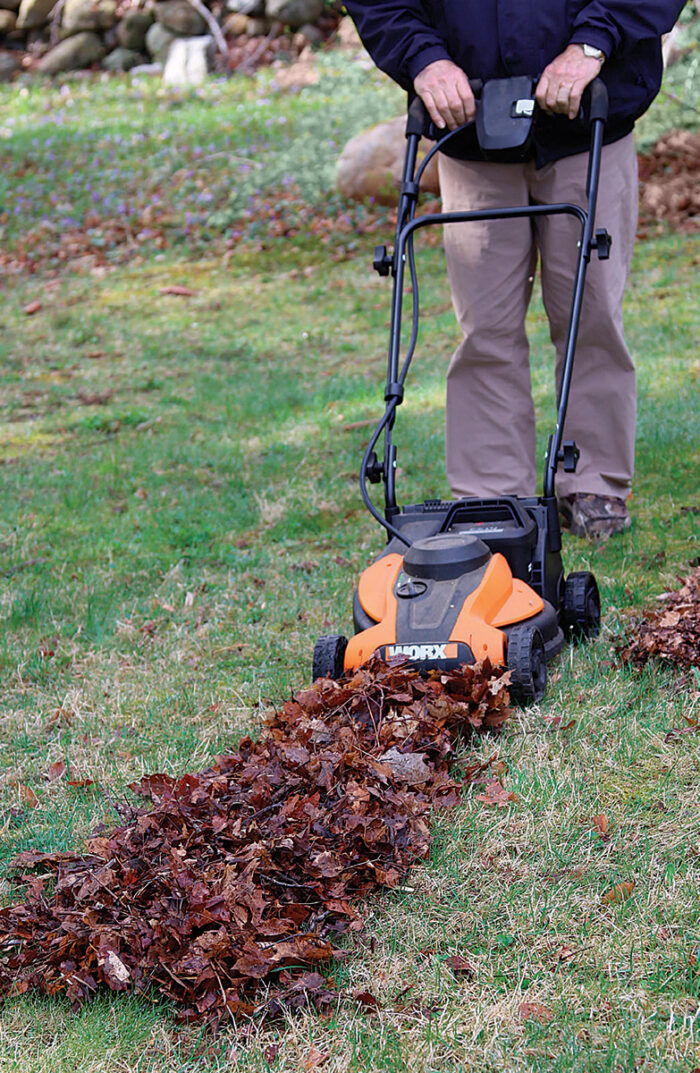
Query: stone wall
[[53, 36]]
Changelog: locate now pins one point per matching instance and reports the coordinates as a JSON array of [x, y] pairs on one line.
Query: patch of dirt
[[228, 892], [670, 632], [669, 183]]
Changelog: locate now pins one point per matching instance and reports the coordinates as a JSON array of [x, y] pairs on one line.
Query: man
[[433, 47]]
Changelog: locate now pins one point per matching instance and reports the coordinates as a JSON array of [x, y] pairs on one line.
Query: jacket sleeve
[[398, 36], [617, 26]]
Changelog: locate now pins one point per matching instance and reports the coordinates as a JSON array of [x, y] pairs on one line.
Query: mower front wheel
[[581, 610], [329, 656], [527, 664]]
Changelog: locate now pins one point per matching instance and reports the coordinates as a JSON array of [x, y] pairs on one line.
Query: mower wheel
[[581, 607], [329, 656], [527, 663]]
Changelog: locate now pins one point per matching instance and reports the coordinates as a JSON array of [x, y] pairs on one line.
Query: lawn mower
[[468, 579]]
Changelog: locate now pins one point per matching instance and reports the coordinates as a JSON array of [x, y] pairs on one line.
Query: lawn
[[181, 520]]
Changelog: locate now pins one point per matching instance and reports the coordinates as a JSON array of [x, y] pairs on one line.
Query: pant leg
[[490, 422], [602, 405]]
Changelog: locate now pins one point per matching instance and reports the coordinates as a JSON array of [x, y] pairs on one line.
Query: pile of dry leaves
[[672, 631], [226, 893], [669, 182]]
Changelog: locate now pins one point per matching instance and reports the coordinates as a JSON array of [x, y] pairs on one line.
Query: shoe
[[597, 517]]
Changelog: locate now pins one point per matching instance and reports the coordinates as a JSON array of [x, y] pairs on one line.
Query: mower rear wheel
[[581, 607], [329, 656], [527, 663]]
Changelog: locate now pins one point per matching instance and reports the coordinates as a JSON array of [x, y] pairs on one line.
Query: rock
[[147, 70], [33, 13], [8, 21], [73, 54], [37, 43], [132, 30], [88, 15], [9, 64], [189, 61], [294, 13], [256, 27], [158, 42], [180, 18], [308, 34], [371, 164], [122, 59], [347, 35], [254, 8], [235, 25], [297, 75]]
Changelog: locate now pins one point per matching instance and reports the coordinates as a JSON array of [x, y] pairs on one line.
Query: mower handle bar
[[594, 106]]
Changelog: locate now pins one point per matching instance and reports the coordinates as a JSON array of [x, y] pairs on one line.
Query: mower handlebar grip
[[597, 93], [419, 121]]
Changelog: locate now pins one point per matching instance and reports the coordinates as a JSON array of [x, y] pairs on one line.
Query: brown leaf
[[314, 1059], [32, 307], [619, 893], [57, 770], [460, 965], [535, 1011], [367, 1000], [27, 796], [178, 290], [496, 794], [601, 826]]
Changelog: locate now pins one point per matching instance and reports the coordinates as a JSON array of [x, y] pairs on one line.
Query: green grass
[[181, 520]]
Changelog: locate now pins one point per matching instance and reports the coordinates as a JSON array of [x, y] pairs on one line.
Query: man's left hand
[[563, 81]]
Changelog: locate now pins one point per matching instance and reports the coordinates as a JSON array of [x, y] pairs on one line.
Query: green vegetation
[[181, 520]]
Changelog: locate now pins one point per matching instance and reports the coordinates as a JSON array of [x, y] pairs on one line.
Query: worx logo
[[444, 650]]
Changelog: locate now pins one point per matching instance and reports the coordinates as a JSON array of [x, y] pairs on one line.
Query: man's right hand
[[445, 91]]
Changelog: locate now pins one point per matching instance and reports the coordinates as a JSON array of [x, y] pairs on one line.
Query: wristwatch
[[593, 53]]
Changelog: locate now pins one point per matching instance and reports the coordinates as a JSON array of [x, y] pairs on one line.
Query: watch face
[[593, 52]]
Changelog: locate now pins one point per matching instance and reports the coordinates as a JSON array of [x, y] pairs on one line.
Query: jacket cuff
[[594, 36], [427, 56]]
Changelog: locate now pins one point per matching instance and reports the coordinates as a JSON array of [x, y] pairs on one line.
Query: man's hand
[[445, 91], [564, 79]]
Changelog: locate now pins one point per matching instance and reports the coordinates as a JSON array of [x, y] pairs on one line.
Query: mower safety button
[[410, 588]]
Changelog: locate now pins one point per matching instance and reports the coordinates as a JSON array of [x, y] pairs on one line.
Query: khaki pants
[[490, 421]]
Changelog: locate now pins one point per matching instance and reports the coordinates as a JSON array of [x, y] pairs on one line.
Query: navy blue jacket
[[501, 38]]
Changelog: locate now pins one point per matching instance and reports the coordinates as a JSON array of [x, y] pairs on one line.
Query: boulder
[[180, 18], [33, 13], [9, 65], [158, 42], [132, 30], [294, 13], [189, 61], [256, 27], [72, 54], [347, 35], [122, 59], [81, 15], [371, 164], [311, 35], [254, 8], [8, 21], [235, 25]]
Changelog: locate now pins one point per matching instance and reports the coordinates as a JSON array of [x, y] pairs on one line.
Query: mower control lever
[[383, 261], [602, 243], [375, 469], [569, 455]]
